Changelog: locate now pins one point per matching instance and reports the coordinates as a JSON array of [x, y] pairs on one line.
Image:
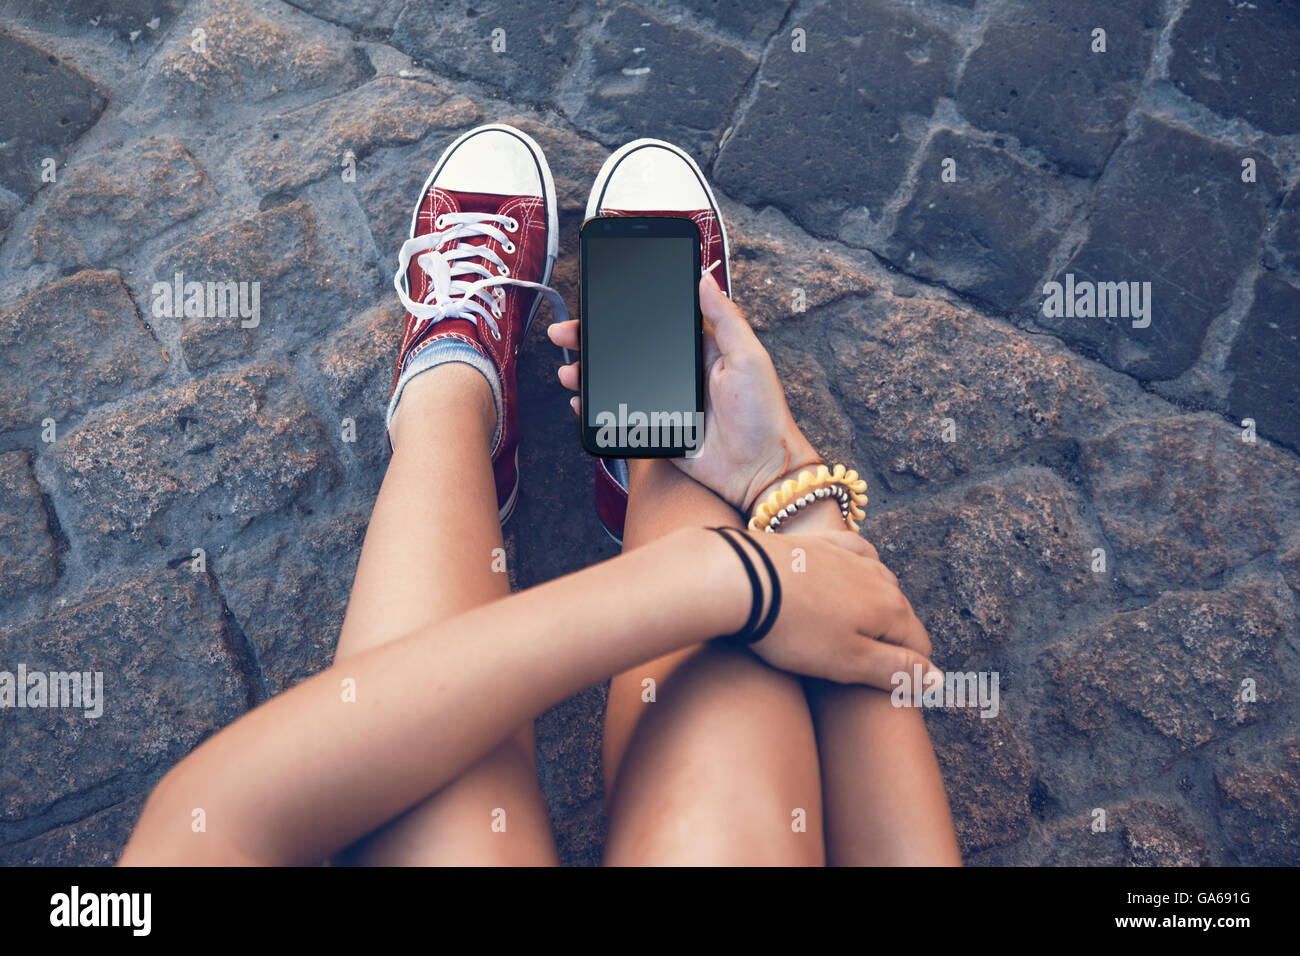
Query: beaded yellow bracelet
[[794, 495]]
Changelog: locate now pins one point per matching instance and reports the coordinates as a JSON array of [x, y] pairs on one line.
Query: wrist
[[782, 461], [720, 588], [821, 515]]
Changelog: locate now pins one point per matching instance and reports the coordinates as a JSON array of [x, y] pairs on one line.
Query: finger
[[887, 615], [911, 633], [871, 551], [920, 640], [564, 334], [575, 404], [730, 330], [904, 627], [569, 376], [876, 665]]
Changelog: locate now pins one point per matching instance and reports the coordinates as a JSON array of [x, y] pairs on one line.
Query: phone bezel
[[638, 227]]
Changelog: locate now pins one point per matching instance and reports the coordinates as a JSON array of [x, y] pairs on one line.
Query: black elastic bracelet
[[774, 606], [756, 606]]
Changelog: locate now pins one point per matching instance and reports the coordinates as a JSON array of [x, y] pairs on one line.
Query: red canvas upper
[[528, 262]]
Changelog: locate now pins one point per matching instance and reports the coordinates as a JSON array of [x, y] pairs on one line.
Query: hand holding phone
[[749, 425]]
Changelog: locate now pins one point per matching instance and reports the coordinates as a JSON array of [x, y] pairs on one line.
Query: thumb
[[730, 330]]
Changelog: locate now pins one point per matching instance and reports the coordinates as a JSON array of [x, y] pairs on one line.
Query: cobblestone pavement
[[902, 178]]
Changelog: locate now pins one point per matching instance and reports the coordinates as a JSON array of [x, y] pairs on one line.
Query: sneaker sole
[[507, 509], [552, 242]]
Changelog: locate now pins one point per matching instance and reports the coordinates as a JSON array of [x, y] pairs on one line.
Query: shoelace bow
[[452, 295]]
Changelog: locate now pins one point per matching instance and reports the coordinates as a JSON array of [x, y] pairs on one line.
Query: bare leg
[[884, 796], [722, 767], [885, 800], [428, 555]]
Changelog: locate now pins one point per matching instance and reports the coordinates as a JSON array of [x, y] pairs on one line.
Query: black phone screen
[[641, 362]]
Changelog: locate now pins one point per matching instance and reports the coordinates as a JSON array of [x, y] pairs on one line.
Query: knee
[[722, 771], [702, 828]]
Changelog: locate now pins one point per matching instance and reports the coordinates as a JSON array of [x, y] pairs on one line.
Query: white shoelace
[[451, 293]]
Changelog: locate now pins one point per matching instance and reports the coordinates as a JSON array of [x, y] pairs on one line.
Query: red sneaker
[[648, 177], [484, 237]]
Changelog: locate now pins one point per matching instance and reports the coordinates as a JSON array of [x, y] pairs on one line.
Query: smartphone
[[642, 353]]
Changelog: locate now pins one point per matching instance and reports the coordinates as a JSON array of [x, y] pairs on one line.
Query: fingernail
[[708, 278], [573, 403]]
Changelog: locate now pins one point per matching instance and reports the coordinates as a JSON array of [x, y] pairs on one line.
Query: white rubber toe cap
[[649, 175], [492, 159]]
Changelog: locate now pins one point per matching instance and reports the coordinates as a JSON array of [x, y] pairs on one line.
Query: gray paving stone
[[1182, 500], [752, 19], [169, 469], [9, 207], [100, 204], [1158, 682], [777, 278], [1283, 246], [1138, 833], [1265, 362], [456, 38], [29, 560], [1034, 76], [47, 106], [134, 21], [548, 534], [553, 533], [97, 840], [999, 564], [1289, 561], [289, 593], [246, 58], [991, 233], [70, 346], [1171, 210], [1259, 804], [290, 150], [169, 680], [357, 366], [651, 77], [903, 368], [306, 283], [988, 775], [831, 130], [375, 17], [1240, 59]]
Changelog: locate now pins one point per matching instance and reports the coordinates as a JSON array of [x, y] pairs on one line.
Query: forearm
[[309, 772]]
